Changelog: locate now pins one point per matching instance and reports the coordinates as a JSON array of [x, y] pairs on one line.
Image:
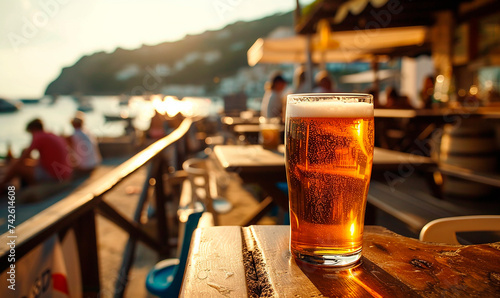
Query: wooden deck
[[112, 239]]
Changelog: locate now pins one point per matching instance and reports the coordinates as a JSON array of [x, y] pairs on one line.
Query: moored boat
[[8, 106]]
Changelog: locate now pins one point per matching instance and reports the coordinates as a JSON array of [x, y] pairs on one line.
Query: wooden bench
[[490, 179], [414, 209]]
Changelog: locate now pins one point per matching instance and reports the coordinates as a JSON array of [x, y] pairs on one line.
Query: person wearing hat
[[272, 102], [84, 149]]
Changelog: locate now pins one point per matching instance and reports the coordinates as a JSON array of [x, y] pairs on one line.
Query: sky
[[40, 37]]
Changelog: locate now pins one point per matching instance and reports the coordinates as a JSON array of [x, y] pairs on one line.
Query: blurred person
[[395, 100], [272, 102], [83, 146], [299, 81], [427, 92], [324, 83], [374, 92], [156, 128], [53, 164], [299, 86]]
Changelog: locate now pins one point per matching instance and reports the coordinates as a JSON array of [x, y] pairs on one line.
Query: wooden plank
[[131, 227], [467, 174], [436, 270], [286, 277], [253, 158], [249, 158], [215, 264], [384, 159], [257, 214], [415, 209], [391, 266], [269, 246]]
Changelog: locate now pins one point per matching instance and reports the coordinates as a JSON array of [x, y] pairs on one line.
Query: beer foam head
[[336, 107]]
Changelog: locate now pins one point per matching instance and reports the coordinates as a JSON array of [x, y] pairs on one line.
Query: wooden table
[[255, 159], [255, 164], [408, 129], [465, 112], [249, 133], [234, 120], [255, 262], [266, 168]]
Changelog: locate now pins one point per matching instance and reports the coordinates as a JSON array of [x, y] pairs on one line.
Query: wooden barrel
[[470, 145]]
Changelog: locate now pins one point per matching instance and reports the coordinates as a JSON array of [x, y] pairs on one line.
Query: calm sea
[[57, 115]]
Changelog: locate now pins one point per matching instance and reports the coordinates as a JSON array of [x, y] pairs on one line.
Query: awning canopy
[[348, 46], [369, 76], [347, 15]]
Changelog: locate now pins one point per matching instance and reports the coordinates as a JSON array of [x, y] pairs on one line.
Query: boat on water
[[30, 100], [123, 115], [85, 107], [8, 106], [123, 100], [84, 104]]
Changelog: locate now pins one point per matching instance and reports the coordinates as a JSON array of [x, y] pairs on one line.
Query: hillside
[[200, 60]]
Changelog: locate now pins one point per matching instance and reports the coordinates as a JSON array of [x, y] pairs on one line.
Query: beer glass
[[270, 133], [329, 153]]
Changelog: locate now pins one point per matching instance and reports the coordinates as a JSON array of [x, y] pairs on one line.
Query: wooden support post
[[264, 207], [442, 52], [161, 211], [309, 64], [131, 227], [85, 232]]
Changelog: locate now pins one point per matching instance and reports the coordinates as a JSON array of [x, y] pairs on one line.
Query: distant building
[[129, 71]]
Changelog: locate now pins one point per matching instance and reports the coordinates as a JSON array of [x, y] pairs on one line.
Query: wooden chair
[[204, 188], [165, 279], [444, 230]]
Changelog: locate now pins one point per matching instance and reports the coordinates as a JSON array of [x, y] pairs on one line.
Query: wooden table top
[[486, 112], [236, 120], [250, 158], [253, 158], [255, 262]]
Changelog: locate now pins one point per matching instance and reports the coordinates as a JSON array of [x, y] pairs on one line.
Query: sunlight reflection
[[352, 275], [172, 105], [188, 106]]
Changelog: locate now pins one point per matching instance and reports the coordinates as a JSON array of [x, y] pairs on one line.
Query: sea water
[[56, 116]]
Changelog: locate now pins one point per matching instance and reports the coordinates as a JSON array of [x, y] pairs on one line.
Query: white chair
[[444, 230], [204, 188]]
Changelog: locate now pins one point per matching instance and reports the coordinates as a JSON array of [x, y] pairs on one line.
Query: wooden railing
[[78, 210]]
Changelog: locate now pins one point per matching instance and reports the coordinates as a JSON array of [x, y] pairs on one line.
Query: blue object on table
[[283, 186], [165, 279]]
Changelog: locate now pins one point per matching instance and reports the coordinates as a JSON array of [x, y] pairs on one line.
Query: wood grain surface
[[215, 266], [261, 265]]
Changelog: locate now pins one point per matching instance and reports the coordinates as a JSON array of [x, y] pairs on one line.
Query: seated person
[[156, 129], [427, 92], [324, 83], [272, 102], [84, 149], [396, 101], [53, 164]]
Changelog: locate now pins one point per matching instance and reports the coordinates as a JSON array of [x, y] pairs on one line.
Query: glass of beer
[[329, 153], [270, 133]]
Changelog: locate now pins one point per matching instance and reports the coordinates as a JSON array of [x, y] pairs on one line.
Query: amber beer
[[329, 154]]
